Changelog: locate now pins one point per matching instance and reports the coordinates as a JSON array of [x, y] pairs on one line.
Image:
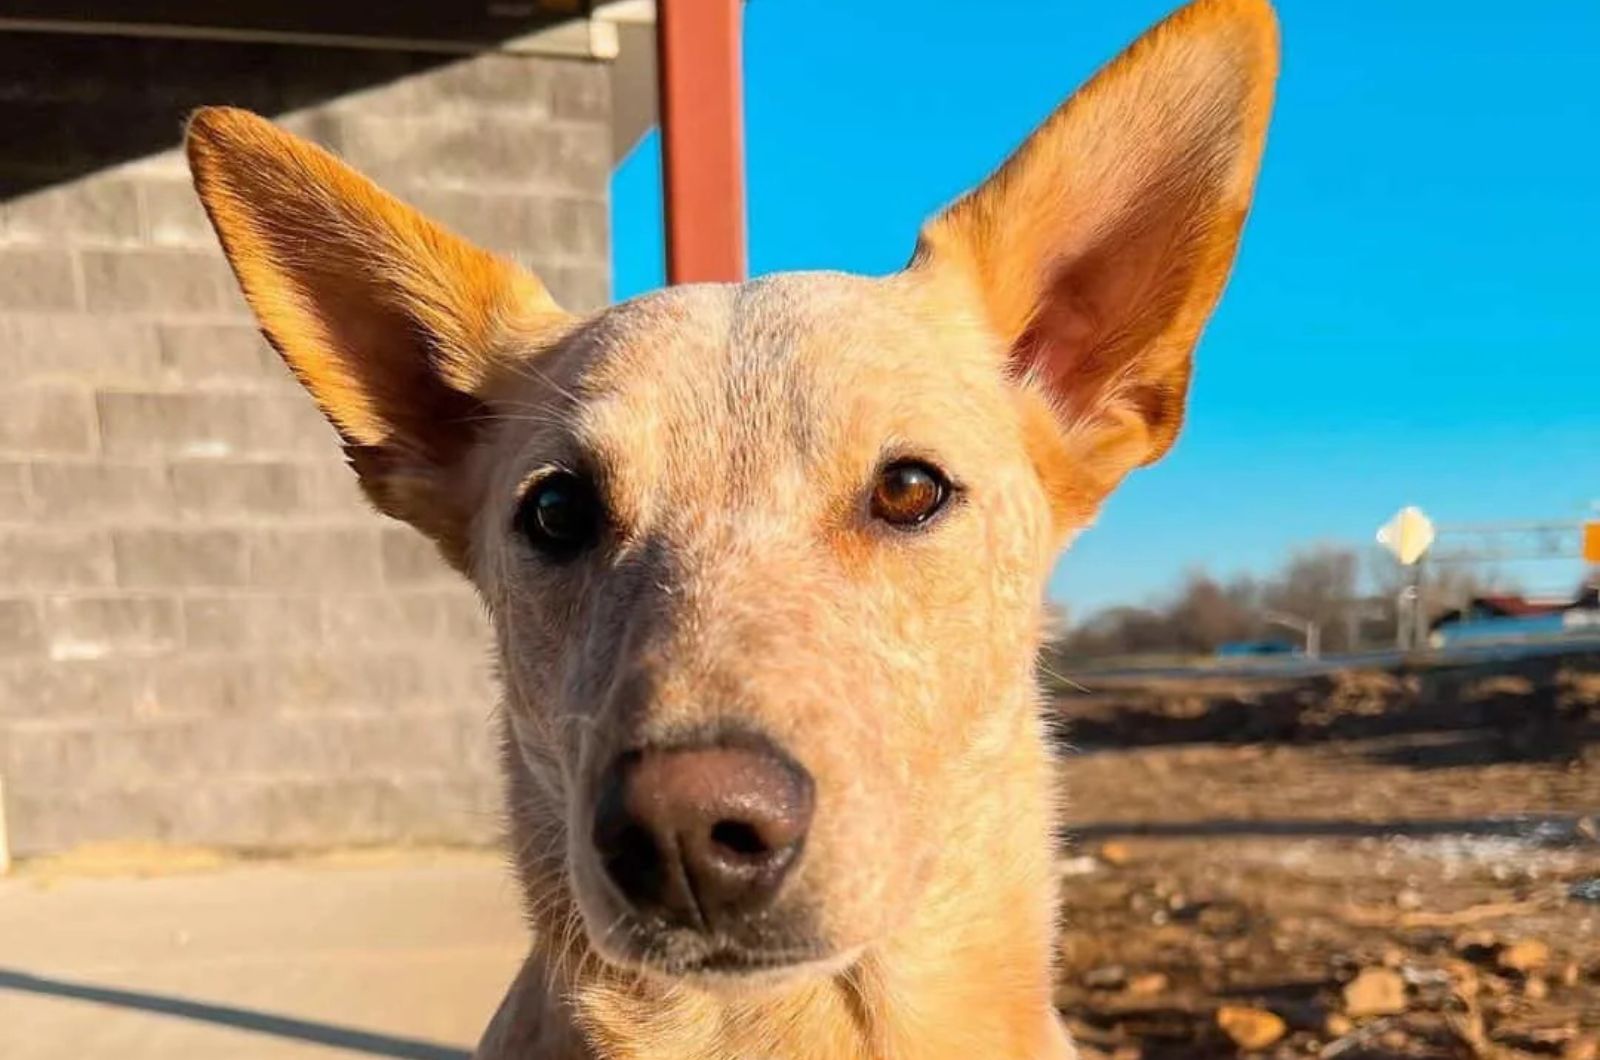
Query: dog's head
[[765, 561]]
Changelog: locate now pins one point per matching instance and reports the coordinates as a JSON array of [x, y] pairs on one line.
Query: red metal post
[[702, 139]]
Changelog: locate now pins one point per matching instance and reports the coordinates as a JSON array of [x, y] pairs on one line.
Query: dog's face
[[783, 487], [765, 560]]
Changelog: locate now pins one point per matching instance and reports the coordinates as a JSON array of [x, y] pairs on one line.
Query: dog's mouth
[[739, 962], [688, 955]]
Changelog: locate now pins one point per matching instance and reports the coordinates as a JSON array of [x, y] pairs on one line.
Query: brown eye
[[908, 493], [561, 515]]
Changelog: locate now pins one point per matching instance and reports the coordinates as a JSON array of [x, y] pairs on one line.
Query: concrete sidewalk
[[394, 955]]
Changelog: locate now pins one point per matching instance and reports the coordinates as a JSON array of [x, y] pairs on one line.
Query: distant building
[[1508, 616], [1512, 605]]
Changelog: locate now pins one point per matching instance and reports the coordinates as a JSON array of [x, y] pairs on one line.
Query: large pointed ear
[[1099, 249], [395, 325]]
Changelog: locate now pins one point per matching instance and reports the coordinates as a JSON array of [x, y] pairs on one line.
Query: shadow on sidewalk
[[1547, 829], [329, 1034]]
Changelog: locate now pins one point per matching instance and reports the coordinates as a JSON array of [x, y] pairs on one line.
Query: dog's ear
[[1101, 246], [394, 324]]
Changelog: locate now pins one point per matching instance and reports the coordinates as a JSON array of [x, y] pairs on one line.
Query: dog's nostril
[[631, 855], [738, 837]]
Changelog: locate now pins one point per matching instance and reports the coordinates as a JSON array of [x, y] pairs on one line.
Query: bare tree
[[1347, 595], [1318, 585]]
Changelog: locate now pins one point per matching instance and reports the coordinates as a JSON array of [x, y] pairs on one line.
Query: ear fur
[[1098, 250], [394, 324]]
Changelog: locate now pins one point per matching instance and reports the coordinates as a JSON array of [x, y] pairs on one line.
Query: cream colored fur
[[1036, 349]]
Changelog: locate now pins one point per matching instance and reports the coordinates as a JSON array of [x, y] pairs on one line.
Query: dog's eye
[[908, 493], [560, 515]]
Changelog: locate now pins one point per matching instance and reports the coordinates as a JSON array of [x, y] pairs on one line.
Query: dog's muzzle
[[701, 838]]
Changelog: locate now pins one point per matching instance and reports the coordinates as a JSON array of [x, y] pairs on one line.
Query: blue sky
[[1415, 314]]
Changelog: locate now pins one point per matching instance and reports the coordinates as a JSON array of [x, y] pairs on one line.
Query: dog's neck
[[968, 974]]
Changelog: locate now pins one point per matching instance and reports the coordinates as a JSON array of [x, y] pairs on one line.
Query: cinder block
[[58, 347], [224, 354], [319, 123], [341, 677], [213, 425], [463, 619], [231, 489], [489, 81], [329, 487], [173, 215], [46, 419], [195, 684], [582, 229], [20, 631], [378, 618], [98, 492], [393, 677], [145, 752], [580, 90], [182, 424], [271, 813], [442, 614], [163, 165], [33, 217], [97, 209], [14, 502], [94, 627], [151, 441], [74, 689], [45, 753], [409, 559], [578, 288], [37, 278], [489, 152], [287, 423], [159, 281], [323, 558], [504, 222], [253, 622], [172, 558], [54, 558], [580, 158]]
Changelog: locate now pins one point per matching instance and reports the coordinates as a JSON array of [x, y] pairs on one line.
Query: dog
[[765, 562]]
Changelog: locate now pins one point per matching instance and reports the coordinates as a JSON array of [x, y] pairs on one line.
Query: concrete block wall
[[205, 635]]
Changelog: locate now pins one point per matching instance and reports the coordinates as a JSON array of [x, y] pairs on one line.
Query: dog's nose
[[702, 836]]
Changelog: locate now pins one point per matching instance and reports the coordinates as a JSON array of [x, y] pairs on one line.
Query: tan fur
[[1037, 348]]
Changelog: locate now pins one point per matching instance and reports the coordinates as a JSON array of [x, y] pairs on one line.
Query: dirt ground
[[1365, 865]]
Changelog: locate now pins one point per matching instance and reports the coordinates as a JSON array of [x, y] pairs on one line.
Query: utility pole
[[1357, 610], [1419, 616]]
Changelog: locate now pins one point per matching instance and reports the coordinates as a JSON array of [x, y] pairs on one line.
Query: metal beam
[[578, 38], [702, 139], [1507, 542]]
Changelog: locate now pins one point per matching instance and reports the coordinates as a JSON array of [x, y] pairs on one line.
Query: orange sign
[[1591, 541]]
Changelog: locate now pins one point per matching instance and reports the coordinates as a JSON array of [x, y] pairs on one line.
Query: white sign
[[1407, 535]]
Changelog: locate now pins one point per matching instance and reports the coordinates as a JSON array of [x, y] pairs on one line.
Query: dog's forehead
[[754, 329], [788, 357]]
